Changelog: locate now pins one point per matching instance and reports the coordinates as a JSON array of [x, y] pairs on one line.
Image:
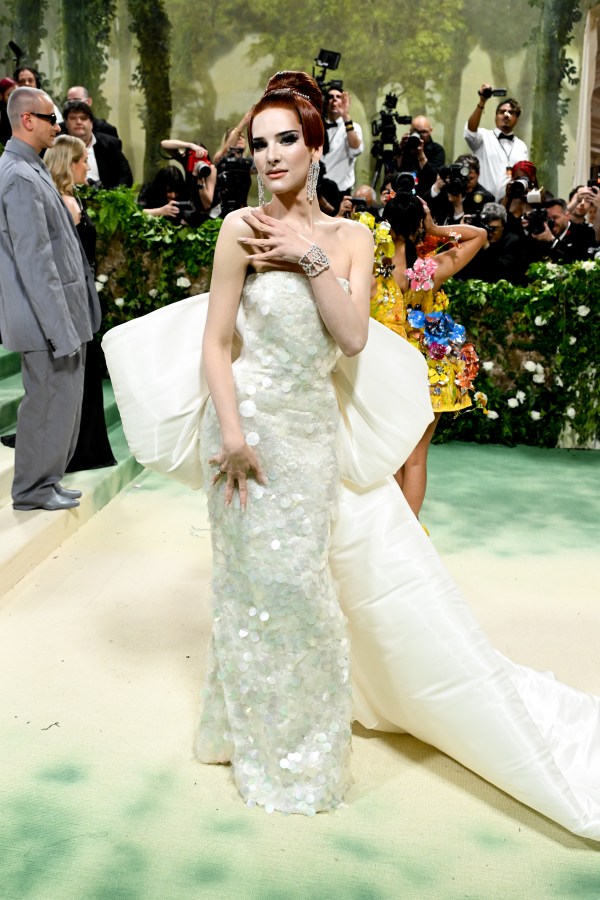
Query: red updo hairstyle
[[525, 169], [301, 93]]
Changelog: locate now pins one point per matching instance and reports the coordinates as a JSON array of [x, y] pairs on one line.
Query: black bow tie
[[330, 124], [506, 137]]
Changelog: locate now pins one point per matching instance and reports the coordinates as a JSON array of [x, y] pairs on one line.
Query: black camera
[[519, 188], [203, 170], [412, 143], [359, 204], [404, 186], [233, 181], [486, 93], [455, 177], [537, 217], [327, 59]]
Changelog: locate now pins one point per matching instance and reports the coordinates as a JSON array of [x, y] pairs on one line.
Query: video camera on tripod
[[383, 127]]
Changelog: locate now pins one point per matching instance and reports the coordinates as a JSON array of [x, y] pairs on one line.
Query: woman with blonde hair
[[68, 166]]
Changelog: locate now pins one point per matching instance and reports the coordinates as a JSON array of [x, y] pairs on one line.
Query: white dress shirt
[[495, 155]]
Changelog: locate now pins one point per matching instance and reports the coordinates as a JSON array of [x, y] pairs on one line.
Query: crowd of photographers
[[494, 185]]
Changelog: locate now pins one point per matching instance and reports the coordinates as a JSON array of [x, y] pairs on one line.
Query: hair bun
[[299, 83]]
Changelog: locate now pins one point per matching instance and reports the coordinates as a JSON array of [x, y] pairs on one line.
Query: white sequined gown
[[278, 696], [278, 700]]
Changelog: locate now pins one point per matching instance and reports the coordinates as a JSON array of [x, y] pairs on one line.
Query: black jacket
[[113, 167]]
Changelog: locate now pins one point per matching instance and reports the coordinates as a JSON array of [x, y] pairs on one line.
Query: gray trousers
[[47, 423]]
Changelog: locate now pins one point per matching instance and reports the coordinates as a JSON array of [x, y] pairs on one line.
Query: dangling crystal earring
[[261, 191], [311, 181]]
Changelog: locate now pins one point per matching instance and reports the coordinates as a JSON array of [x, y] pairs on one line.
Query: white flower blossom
[[99, 286], [583, 311], [103, 278], [120, 302], [572, 340], [539, 320], [539, 378], [588, 264], [520, 395], [492, 414], [571, 412], [558, 381], [529, 365], [535, 415], [539, 368], [512, 402], [184, 282], [152, 292], [488, 365]]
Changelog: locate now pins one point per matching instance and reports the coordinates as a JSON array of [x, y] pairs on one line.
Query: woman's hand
[[281, 244], [428, 223], [237, 463]]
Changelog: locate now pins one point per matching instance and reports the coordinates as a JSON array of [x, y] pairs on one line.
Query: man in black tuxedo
[[108, 165], [561, 240]]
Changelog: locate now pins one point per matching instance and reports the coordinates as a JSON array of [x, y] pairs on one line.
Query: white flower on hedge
[[182, 281], [535, 415], [572, 340], [539, 378], [558, 381], [539, 320], [99, 286], [529, 365], [583, 310], [492, 414], [571, 412], [103, 278], [120, 302], [520, 395], [588, 264], [539, 368], [488, 365], [512, 402], [152, 292]]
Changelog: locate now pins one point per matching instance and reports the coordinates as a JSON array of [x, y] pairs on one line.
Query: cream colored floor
[[101, 661]]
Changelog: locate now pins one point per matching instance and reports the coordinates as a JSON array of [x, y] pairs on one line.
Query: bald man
[[49, 308], [420, 155]]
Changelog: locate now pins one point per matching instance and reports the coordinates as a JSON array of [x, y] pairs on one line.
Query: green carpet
[[103, 653]]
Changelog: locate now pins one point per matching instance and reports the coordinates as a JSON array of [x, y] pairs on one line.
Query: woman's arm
[[183, 145], [206, 189], [232, 139], [235, 457], [452, 261], [282, 246]]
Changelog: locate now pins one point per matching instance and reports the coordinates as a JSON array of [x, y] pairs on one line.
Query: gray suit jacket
[[48, 300]]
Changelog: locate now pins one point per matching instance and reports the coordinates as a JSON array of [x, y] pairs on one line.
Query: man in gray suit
[[49, 307]]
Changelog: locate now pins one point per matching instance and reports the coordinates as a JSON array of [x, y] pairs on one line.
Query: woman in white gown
[[296, 453]]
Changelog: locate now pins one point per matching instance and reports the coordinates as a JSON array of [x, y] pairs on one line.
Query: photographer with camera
[[182, 193], [419, 154], [502, 255], [498, 149], [344, 138], [560, 240], [457, 192], [584, 206], [364, 199]]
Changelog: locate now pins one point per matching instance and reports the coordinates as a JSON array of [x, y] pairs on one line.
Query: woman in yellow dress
[[407, 297]]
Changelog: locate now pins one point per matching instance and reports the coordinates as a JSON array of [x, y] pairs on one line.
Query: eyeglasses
[[47, 117]]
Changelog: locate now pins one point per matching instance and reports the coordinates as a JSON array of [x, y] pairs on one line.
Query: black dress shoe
[[55, 502], [71, 493]]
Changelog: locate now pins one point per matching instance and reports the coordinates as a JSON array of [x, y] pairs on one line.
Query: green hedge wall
[[538, 345]]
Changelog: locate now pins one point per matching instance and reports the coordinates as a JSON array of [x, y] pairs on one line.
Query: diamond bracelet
[[314, 262]]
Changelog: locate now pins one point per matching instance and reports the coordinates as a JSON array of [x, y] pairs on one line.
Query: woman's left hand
[[281, 242]]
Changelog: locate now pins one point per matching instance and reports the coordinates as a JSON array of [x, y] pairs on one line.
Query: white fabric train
[[420, 662]]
